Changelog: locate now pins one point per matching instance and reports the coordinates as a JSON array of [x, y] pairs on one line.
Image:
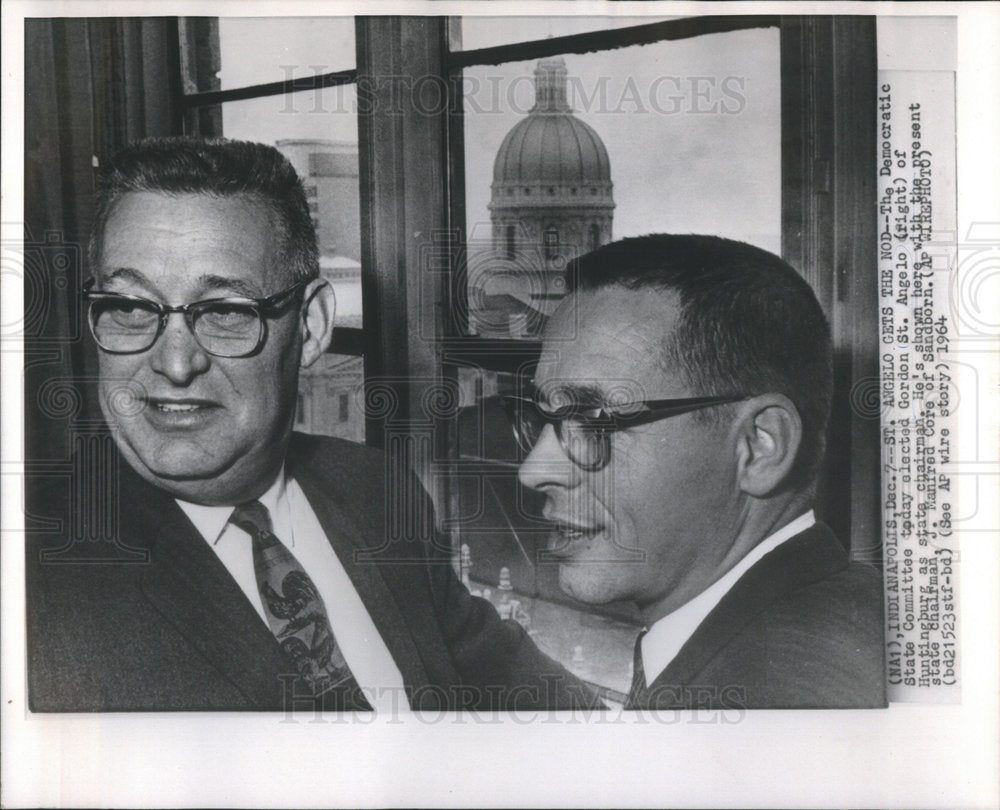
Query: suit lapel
[[808, 557], [189, 586], [348, 541]]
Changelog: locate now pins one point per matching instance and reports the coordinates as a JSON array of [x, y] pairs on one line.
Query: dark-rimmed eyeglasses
[[225, 327], [584, 433]]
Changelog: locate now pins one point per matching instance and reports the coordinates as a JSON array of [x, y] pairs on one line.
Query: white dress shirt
[[295, 524], [668, 634]]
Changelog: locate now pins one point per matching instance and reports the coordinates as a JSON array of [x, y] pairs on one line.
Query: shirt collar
[[211, 521], [669, 633]]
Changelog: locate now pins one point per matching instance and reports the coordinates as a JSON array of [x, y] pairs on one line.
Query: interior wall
[[91, 86]]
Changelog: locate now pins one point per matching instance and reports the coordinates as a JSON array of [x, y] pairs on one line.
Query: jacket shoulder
[[822, 645], [335, 457], [377, 490], [347, 471]]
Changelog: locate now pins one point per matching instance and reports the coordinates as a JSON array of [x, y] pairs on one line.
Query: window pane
[[504, 544], [563, 155], [566, 153], [331, 398], [259, 50], [486, 32], [317, 132]]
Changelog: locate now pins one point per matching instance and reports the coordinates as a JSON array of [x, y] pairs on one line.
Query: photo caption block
[[917, 253]]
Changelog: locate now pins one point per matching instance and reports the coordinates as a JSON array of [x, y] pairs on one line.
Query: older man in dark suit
[[252, 569], [676, 425]]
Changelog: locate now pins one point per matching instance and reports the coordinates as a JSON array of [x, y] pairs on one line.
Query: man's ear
[[769, 435], [319, 307]]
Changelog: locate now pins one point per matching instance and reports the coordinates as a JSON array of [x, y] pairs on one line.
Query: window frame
[[827, 80], [200, 112], [411, 171]]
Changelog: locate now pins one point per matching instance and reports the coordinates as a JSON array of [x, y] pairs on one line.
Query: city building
[[331, 390], [551, 200]]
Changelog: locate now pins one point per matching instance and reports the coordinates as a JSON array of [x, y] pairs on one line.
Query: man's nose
[[176, 354], [547, 464]]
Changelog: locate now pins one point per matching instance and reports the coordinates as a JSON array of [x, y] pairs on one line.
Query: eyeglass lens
[[586, 445], [223, 329]]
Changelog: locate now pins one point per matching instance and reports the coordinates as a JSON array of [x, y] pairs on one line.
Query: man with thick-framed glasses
[[675, 424], [247, 577]]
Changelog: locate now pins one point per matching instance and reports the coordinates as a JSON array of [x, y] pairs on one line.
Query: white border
[[907, 756]]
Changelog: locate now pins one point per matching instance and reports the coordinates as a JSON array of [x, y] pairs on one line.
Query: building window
[[595, 236], [300, 410], [344, 402], [551, 242], [510, 242]]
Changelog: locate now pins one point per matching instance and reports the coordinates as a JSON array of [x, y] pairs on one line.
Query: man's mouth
[[566, 535], [179, 404], [574, 532], [179, 413]]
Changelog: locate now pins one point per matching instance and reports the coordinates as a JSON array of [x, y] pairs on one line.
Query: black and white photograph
[[468, 404]]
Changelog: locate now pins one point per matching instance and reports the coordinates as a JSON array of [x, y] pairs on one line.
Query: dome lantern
[[550, 86]]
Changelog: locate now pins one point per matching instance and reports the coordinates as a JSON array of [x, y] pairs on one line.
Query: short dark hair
[[216, 167], [749, 324]]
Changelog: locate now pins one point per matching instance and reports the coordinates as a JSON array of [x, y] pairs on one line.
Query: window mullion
[[402, 160]]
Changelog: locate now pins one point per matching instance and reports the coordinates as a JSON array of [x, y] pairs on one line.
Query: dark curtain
[[91, 86]]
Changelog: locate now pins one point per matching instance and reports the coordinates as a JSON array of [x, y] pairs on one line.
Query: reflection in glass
[[503, 542]]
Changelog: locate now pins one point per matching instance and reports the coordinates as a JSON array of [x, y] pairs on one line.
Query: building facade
[[330, 399], [551, 201]]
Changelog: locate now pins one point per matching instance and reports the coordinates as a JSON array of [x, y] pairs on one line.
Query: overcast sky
[[692, 127]]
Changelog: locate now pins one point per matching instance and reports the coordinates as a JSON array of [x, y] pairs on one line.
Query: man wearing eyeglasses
[[676, 424], [253, 572]]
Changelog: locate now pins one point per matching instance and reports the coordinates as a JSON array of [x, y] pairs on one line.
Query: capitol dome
[[551, 147], [551, 201]]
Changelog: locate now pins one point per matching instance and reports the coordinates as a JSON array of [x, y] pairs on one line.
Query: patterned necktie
[[297, 616], [638, 677]]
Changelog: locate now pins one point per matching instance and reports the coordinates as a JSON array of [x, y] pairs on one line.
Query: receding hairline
[[664, 339], [247, 195], [258, 199]]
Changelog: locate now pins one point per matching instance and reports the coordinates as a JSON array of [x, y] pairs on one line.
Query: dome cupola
[[551, 201], [551, 152]]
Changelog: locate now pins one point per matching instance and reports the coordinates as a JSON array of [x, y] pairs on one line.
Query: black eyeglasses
[[584, 433], [226, 327]]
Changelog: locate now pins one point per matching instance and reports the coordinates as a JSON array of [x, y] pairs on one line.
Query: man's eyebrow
[[125, 274], [584, 395], [228, 284], [211, 283]]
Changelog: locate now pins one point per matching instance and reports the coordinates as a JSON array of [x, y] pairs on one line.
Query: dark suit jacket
[[165, 627], [801, 629]]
